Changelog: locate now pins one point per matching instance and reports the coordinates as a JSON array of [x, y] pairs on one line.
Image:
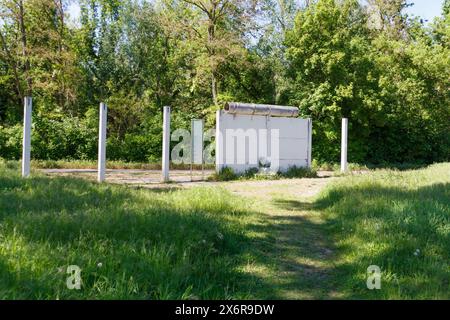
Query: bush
[[250, 173], [299, 172], [11, 142], [53, 137], [63, 138], [226, 174]]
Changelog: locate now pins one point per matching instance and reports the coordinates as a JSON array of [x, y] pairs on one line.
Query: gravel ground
[[182, 178]]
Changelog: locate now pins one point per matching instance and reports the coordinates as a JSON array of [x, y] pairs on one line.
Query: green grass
[[157, 244], [399, 221], [209, 243], [354, 166]]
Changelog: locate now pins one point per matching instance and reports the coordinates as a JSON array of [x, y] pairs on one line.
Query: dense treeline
[[387, 72]]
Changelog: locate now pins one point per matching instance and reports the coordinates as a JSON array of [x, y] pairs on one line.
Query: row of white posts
[[26, 140], [26, 147], [101, 173]]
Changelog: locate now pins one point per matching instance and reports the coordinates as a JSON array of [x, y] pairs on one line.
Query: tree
[[35, 43], [392, 88], [389, 16], [441, 26], [225, 22], [388, 73], [331, 72], [13, 13]]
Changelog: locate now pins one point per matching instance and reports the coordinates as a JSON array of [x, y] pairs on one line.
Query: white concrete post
[[219, 143], [26, 139], [344, 138], [309, 142], [166, 144], [102, 142]]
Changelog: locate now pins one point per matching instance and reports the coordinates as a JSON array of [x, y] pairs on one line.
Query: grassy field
[[399, 221], [210, 242]]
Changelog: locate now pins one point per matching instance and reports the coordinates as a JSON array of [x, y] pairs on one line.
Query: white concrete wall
[[294, 141]]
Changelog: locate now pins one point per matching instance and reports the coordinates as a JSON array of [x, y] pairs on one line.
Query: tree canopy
[[384, 70]]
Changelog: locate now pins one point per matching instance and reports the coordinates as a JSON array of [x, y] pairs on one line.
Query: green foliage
[[299, 172], [226, 174], [387, 73], [250, 173], [329, 50], [11, 142], [390, 88], [70, 137]]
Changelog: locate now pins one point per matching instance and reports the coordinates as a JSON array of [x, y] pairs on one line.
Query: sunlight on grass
[[399, 221]]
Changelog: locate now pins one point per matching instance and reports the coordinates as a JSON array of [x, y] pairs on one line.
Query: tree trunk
[[26, 67], [61, 95], [13, 66], [214, 88], [211, 29]]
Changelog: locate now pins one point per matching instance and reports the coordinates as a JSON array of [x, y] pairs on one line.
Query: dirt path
[[135, 177], [301, 255], [305, 187], [182, 178]]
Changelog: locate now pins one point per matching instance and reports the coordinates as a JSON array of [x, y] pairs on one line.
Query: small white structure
[[254, 136]]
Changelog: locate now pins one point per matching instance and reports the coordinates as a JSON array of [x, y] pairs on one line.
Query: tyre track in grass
[[296, 257]]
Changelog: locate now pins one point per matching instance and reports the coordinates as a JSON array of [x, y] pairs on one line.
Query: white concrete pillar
[[344, 142], [102, 142], [166, 144], [309, 142], [26, 139], [219, 143]]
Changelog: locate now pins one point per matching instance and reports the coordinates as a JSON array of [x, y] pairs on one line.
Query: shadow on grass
[[294, 204], [300, 255], [398, 166], [149, 245], [156, 189], [403, 231]]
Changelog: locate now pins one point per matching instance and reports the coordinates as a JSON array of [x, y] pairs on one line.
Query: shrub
[[299, 172], [226, 174], [11, 142]]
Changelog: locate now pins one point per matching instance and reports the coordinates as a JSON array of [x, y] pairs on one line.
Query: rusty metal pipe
[[260, 109]]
